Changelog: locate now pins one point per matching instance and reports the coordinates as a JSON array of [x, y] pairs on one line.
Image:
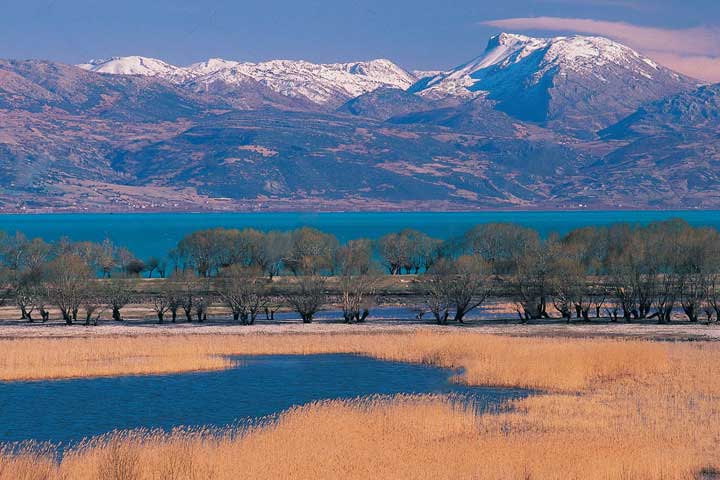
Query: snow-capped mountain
[[530, 123], [579, 80], [135, 65], [323, 84]]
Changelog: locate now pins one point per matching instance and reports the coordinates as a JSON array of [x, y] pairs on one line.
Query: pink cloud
[[692, 51], [702, 68]]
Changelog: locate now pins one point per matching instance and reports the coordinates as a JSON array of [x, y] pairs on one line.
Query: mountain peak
[[555, 79], [507, 39], [132, 65]]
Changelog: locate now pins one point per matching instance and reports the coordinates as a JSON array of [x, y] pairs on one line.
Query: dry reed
[[616, 409]]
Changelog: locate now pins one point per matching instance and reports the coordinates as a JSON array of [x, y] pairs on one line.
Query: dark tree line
[[621, 272]]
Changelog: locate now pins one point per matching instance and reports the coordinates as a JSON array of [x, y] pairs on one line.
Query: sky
[[417, 34]]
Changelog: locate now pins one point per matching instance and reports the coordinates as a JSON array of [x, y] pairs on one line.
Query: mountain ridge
[[222, 135], [324, 84]]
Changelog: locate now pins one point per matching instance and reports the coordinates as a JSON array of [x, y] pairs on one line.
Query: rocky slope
[[574, 84], [532, 123]]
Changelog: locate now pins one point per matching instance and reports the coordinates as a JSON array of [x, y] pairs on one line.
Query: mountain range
[[532, 123]]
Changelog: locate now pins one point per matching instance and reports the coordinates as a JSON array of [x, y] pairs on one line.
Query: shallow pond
[[68, 410]]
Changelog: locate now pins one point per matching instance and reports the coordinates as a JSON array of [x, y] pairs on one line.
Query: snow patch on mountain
[[136, 65], [323, 84], [517, 56]]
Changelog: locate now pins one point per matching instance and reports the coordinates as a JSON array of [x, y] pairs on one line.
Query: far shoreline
[[354, 212]]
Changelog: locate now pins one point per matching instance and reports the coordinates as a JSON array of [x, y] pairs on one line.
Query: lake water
[[69, 410], [153, 234]]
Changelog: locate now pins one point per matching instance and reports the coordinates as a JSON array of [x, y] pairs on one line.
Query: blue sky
[[423, 34]]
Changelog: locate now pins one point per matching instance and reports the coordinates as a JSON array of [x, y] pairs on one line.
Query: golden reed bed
[[615, 409]]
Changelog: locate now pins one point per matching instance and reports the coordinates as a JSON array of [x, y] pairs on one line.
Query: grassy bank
[[488, 359], [613, 409]]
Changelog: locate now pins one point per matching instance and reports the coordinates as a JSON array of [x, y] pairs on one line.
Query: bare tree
[[565, 286], [169, 299], [69, 277], [393, 250], [456, 287], [501, 245], [13, 250], [436, 292], [123, 259], [177, 257], [152, 264], [598, 294], [135, 267], [208, 251], [272, 252], [188, 286], [533, 280], [692, 293], [357, 279], [624, 282], [118, 292], [408, 250], [307, 296], [93, 303], [107, 257], [571, 292], [161, 306], [711, 300], [272, 306], [28, 288], [357, 296], [243, 292], [312, 252], [162, 267]]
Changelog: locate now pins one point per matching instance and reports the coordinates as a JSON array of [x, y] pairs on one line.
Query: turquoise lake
[[148, 234]]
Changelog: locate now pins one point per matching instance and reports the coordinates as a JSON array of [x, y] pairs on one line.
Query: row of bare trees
[[621, 271], [628, 272], [69, 283], [300, 252]]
